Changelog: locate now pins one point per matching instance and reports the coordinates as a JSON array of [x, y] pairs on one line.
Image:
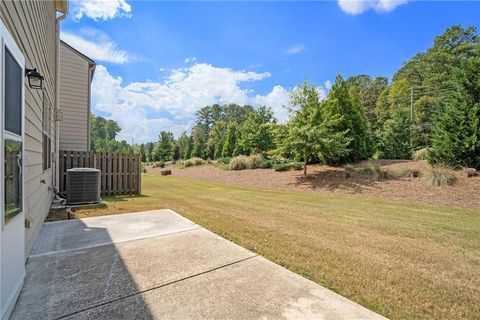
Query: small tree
[[164, 148], [143, 156], [310, 133], [394, 138], [342, 104], [230, 141], [256, 131]]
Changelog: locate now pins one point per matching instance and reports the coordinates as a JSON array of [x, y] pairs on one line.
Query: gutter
[[91, 71], [55, 180]]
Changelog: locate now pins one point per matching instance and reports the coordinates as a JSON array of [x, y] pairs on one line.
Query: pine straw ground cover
[[400, 259]]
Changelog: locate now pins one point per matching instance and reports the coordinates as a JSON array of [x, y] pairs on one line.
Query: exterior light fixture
[[35, 79]]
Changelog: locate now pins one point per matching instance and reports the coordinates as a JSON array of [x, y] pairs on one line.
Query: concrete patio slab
[[253, 289], [163, 267], [81, 233]]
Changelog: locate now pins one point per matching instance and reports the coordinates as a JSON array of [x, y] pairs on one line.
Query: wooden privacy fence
[[121, 173]]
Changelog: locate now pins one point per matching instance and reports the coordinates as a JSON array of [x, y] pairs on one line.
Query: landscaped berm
[[402, 259]]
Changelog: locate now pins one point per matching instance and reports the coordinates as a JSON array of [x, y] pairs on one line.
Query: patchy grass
[[403, 260]]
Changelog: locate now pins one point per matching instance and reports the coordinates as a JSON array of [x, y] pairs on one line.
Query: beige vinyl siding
[[74, 100], [32, 24]]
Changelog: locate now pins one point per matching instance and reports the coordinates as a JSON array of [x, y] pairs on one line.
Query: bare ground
[[331, 180]]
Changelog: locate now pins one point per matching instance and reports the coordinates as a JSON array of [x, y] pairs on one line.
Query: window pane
[[13, 178], [13, 94]]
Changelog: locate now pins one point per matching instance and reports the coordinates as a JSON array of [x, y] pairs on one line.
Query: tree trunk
[[305, 168]]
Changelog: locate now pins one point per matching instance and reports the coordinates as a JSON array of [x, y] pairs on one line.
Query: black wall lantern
[[35, 79]]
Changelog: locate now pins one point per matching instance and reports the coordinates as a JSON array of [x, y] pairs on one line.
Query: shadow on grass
[[338, 179], [115, 199]]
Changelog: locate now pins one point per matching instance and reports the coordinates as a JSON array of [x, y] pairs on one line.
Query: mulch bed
[[331, 180]]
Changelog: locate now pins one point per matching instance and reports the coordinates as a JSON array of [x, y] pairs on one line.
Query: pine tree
[[230, 141], [342, 103], [456, 136], [394, 138]]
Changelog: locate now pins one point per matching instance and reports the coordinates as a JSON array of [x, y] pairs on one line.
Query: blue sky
[[159, 62]]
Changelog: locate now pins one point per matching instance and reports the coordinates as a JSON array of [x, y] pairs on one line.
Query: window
[[12, 135], [47, 132]]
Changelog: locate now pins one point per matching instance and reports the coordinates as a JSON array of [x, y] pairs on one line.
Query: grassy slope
[[405, 261]]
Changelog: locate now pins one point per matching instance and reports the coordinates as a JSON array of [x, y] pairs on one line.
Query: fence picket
[[120, 172]]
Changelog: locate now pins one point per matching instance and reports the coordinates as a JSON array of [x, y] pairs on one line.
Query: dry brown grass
[[403, 260]]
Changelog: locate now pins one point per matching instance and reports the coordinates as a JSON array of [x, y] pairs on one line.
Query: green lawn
[[405, 261]]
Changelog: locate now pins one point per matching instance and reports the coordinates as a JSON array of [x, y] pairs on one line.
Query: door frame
[[12, 254]]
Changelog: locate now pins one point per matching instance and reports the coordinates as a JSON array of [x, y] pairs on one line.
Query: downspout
[[56, 181]]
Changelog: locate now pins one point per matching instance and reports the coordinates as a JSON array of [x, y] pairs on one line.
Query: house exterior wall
[[74, 100], [33, 26]]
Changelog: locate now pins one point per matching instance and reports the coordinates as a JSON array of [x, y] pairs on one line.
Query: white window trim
[[7, 41]]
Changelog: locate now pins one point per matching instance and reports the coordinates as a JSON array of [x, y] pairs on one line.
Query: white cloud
[[136, 105], [188, 60], [278, 100], [100, 9], [96, 45], [355, 7], [328, 85], [295, 49]]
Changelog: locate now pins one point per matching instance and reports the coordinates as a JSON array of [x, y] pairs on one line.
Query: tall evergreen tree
[[342, 102], [456, 137], [230, 144]]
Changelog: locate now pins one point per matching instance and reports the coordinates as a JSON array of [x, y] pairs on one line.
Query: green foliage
[[149, 146], [141, 151], [230, 141], [164, 148], [456, 137], [184, 143], [284, 165], [198, 137], [342, 104], [103, 135], [256, 131], [394, 138], [310, 132], [368, 91]]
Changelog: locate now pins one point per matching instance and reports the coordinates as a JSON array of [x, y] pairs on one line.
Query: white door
[[12, 243]]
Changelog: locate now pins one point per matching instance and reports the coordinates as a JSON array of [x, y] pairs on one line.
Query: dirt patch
[[332, 180]]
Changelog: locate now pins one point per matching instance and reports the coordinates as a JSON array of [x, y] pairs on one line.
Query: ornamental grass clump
[[239, 163], [440, 176]]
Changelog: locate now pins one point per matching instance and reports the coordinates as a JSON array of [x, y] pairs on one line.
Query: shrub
[[197, 161], [253, 161], [440, 176], [297, 166], [349, 170], [282, 166], [158, 164], [190, 162], [266, 164], [243, 162], [420, 154], [225, 160], [375, 170], [239, 163]]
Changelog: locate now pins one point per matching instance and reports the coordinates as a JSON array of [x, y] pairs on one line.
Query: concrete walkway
[[159, 265]]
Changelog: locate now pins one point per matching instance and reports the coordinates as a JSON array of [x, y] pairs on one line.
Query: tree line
[[432, 103]]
